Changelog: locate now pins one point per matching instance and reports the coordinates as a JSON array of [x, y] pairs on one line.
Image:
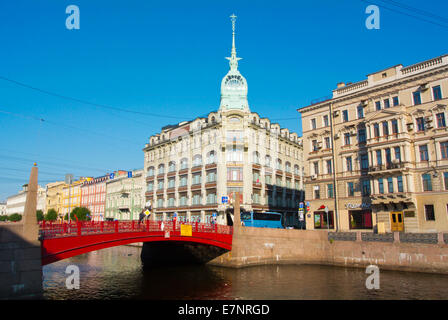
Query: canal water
[[116, 273]]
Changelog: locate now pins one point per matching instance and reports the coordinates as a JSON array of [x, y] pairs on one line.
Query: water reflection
[[116, 273]]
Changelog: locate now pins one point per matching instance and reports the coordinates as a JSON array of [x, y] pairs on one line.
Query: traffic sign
[[301, 205], [129, 174], [147, 212], [112, 175], [225, 199]]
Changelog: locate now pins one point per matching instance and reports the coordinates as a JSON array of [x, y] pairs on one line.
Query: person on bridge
[[141, 216]]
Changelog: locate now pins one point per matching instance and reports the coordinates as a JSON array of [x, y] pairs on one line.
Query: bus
[[262, 219]]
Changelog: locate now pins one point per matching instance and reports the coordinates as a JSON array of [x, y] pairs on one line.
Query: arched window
[[296, 169], [172, 166], [183, 163], [256, 156], [288, 167], [279, 164], [211, 157], [267, 161], [150, 172], [197, 160], [161, 169]]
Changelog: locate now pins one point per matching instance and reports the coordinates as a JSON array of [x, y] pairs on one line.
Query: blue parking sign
[[301, 205], [225, 199]]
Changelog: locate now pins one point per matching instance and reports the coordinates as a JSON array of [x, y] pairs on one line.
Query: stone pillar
[[236, 213], [30, 226]]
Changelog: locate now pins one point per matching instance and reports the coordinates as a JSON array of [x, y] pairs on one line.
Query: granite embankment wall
[[20, 264], [394, 251]]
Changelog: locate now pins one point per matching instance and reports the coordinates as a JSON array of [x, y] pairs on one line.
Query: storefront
[[195, 216], [323, 220], [360, 219]]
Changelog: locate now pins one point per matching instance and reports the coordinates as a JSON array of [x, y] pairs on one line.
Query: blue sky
[[167, 58]]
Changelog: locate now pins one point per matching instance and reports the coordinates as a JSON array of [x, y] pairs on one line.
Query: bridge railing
[[48, 230]]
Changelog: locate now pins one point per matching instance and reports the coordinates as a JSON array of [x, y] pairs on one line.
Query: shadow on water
[[117, 273]]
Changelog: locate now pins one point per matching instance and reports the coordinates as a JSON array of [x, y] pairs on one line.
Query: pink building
[[93, 196]]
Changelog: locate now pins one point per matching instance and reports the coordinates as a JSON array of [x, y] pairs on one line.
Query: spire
[[233, 58]]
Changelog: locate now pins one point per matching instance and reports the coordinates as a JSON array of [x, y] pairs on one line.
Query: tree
[[40, 215], [3, 218], [15, 217], [83, 214], [51, 215]]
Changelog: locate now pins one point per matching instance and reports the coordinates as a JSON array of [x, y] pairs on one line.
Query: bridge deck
[[63, 240]]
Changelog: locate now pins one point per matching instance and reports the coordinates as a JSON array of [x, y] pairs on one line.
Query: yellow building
[[72, 195], [55, 198], [390, 162]]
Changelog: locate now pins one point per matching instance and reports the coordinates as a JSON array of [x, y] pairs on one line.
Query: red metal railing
[[50, 230]]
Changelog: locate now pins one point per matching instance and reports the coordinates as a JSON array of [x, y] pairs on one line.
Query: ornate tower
[[234, 85]]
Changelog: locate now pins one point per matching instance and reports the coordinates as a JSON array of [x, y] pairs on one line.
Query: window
[[316, 192], [345, 115], [420, 124], [329, 169], [268, 179], [326, 123], [444, 149], [360, 112], [427, 185], [397, 153], [211, 157], [400, 183], [440, 120], [390, 185], [160, 184], [314, 144], [183, 181], [386, 103], [196, 199], [347, 139], [172, 166], [150, 187], [211, 176], [395, 126], [361, 135], [364, 161], [171, 183], [349, 163], [184, 164], [161, 169], [211, 198], [417, 98], [365, 187], [436, 93], [235, 155], [379, 160], [395, 101], [327, 143], [360, 219], [445, 180], [256, 157], [330, 190], [388, 156], [350, 189], [423, 150], [197, 179], [316, 167], [313, 123], [235, 174], [429, 212], [385, 128], [380, 185], [378, 105], [150, 172], [256, 176], [376, 130]]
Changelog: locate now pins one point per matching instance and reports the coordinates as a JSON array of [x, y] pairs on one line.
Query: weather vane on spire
[[233, 18], [233, 58]]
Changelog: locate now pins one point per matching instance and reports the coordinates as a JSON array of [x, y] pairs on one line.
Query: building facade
[[55, 196], [93, 196], [16, 203], [190, 166], [124, 195], [72, 195], [377, 152]]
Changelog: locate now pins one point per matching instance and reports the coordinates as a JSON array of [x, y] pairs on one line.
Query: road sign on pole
[[225, 199]]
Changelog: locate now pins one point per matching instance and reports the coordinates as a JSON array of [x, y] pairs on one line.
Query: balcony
[[389, 167], [197, 168], [210, 185], [196, 186], [210, 166]]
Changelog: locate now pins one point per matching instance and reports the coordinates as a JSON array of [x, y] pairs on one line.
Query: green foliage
[[15, 217], [82, 213], [40, 215], [3, 218], [51, 215]]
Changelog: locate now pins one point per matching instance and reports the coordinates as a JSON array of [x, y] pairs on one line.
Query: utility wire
[[406, 14], [86, 102], [417, 10]]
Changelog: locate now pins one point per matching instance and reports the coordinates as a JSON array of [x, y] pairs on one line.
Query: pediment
[[381, 114]]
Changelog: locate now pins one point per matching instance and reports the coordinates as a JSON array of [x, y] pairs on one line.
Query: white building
[[16, 203]]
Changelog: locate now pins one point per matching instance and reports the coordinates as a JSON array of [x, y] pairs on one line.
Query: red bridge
[[64, 240]]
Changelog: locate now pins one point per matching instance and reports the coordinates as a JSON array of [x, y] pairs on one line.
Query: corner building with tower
[[189, 167]]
